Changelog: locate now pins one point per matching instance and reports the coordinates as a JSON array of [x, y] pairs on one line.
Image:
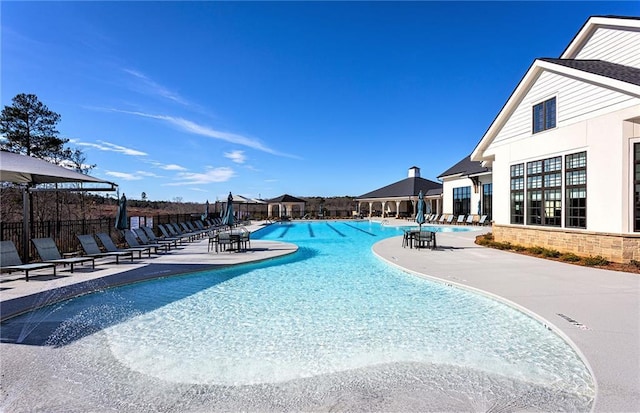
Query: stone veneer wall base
[[620, 248]]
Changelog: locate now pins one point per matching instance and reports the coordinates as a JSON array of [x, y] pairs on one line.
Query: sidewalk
[[597, 310]]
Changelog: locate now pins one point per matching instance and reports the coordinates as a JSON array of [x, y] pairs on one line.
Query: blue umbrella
[[420, 215], [122, 222], [228, 218]]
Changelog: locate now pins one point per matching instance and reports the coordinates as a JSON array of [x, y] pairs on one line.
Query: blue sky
[[191, 100]]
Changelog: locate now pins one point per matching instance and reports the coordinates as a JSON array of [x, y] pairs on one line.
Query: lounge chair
[[180, 231], [443, 218], [483, 220], [169, 233], [450, 219], [132, 241], [144, 240], [469, 220], [49, 253], [460, 219], [188, 227], [110, 246], [91, 249], [10, 261], [152, 237]]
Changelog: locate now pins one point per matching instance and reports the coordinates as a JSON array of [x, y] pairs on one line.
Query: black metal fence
[[64, 232]]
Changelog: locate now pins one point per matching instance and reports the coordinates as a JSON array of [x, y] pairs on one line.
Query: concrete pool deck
[[597, 310]]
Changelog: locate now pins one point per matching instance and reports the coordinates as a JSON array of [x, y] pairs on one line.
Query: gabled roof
[[591, 25], [405, 188], [466, 167], [613, 76], [285, 198]]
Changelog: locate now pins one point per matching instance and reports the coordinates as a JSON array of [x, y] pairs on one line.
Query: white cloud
[[148, 174], [173, 167], [236, 156], [212, 175], [110, 147], [202, 130], [124, 176], [151, 87]]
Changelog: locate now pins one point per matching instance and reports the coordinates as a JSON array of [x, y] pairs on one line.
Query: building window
[[462, 200], [517, 194], [544, 115], [576, 190], [487, 197], [544, 192], [636, 183]]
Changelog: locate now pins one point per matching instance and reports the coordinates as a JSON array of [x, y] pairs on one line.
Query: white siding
[[575, 100], [613, 45]]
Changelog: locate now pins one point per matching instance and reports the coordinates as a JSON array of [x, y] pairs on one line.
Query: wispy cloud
[[168, 167], [211, 175], [236, 156], [124, 176], [153, 88], [110, 147], [202, 130]]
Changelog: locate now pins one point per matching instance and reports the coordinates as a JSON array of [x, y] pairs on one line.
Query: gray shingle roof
[[405, 188], [285, 198], [599, 67], [465, 167]]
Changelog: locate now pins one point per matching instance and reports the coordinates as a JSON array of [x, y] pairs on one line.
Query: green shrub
[[635, 263], [536, 250], [598, 260], [550, 253], [519, 248], [570, 257]]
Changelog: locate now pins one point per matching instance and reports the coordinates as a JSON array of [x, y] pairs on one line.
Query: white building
[[467, 190], [565, 148]]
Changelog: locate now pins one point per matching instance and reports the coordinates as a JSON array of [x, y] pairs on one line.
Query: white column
[[397, 209]]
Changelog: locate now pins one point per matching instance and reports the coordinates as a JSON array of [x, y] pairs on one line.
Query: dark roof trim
[[610, 70], [466, 167]]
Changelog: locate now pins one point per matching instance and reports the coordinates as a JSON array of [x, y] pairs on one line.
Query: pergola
[[29, 172], [285, 203]]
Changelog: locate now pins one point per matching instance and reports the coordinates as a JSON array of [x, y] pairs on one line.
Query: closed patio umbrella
[[122, 222], [206, 210], [228, 218], [420, 215]]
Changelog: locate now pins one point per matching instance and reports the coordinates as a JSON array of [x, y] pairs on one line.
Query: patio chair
[[10, 261], [460, 219], [152, 237], [91, 249], [424, 239], [49, 253], [146, 241], [469, 220], [443, 218], [132, 241], [483, 220], [223, 241], [110, 246], [189, 228], [450, 219]]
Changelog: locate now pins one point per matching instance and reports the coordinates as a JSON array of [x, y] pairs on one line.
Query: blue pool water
[[330, 308]]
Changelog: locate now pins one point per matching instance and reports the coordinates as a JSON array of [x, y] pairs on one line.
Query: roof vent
[[414, 172]]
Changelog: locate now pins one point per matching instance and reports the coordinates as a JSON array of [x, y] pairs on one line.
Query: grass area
[[598, 261]]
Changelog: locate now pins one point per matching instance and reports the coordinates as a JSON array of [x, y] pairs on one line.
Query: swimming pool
[[331, 316]]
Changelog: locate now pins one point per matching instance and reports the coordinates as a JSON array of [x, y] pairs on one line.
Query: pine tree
[[29, 128]]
